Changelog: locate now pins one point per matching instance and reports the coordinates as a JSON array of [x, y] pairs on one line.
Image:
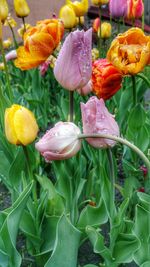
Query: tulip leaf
[[90, 265], [142, 138], [16, 168], [137, 117], [146, 264], [8, 234], [66, 245]]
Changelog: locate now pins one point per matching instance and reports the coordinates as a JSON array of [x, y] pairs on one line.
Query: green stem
[[24, 24], [134, 90], [13, 34], [145, 79], [99, 37], [71, 106], [30, 173], [118, 26], [122, 141], [9, 91], [112, 180]]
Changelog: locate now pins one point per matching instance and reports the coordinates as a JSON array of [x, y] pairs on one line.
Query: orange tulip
[[106, 79], [130, 51], [96, 24], [39, 43]]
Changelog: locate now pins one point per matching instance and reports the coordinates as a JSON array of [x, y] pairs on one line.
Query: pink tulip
[[73, 66], [117, 8], [60, 142], [87, 89], [11, 55], [97, 119], [135, 9]]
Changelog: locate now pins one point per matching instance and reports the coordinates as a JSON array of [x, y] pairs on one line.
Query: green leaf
[[142, 139], [92, 216], [90, 265], [16, 168], [66, 245], [137, 117], [8, 233], [125, 247], [145, 264]]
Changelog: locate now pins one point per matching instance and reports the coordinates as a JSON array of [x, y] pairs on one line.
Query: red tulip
[[135, 9]]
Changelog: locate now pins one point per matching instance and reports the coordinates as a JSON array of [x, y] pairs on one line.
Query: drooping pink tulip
[[60, 142], [87, 89], [97, 119], [117, 8], [11, 55], [73, 66], [135, 9]]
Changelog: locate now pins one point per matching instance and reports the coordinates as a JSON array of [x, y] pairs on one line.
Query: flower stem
[[134, 90], [71, 106], [145, 79], [112, 179], [143, 19], [99, 37], [24, 24], [13, 34], [122, 141], [30, 173], [9, 91]]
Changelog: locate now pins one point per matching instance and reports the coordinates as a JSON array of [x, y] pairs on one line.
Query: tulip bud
[[135, 9], [97, 119], [80, 8], [73, 65], [95, 54], [116, 9], [3, 10], [21, 7], [80, 20], [7, 43], [96, 24], [20, 125], [105, 30], [60, 142], [99, 2], [68, 16], [2, 67], [11, 55], [87, 89], [0, 31]]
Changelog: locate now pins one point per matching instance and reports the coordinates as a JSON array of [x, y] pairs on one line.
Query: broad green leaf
[[142, 139], [125, 247], [90, 265], [137, 117], [92, 216], [146, 264], [8, 233], [66, 245]]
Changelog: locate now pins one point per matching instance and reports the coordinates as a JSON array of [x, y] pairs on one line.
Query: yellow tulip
[[80, 20], [80, 8], [7, 43], [3, 10], [20, 125], [21, 7], [2, 67], [10, 21], [68, 16], [21, 29], [0, 30], [105, 30], [99, 2]]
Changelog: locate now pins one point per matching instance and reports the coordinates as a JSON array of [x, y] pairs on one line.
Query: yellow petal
[[9, 125], [25, 126]]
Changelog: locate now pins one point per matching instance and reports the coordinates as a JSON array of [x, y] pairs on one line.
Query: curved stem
[[145, 79], [134, 90], [13, 34], [24, 24], [122, 141]]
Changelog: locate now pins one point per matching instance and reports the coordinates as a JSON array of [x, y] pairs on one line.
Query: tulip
[[80, 20], [95, 54], [10, 21], [7, 43], [129, 52], [96, 24], [21, 7], [106, 79], [80, 8], [118, 9], [99, 2], [97, 119], [3, 10], [39, 43], [87, 89], [135, 9], [44, 67], [74, 63], [60, 142], [105, 30], [11, 55], [68, 16], [20, 125], [2, 67], [21, 29]]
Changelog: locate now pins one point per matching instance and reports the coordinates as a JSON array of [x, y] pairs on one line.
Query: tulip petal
[[9, 125]]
